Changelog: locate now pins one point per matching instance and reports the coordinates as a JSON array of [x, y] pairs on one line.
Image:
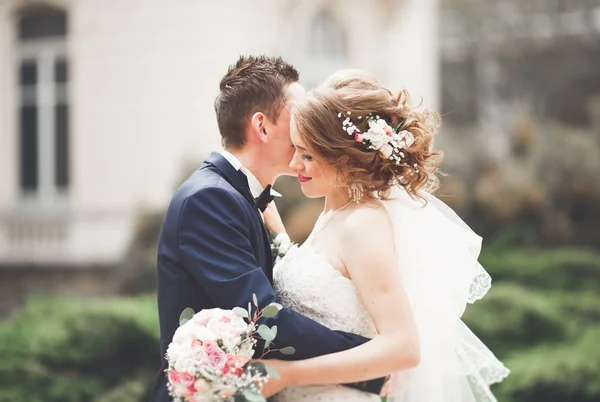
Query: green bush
[[568, 371], [511, 317], [542, 318], [566, 268], [65, 350]]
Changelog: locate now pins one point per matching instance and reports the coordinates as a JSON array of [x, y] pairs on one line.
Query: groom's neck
[[256, 164]]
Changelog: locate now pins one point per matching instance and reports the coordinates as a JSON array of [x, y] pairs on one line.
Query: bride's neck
[[338, 199]]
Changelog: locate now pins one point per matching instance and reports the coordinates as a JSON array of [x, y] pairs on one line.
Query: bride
[[385, 260]]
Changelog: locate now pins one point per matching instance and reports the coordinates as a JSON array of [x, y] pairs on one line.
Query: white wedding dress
[[438, 265], [307, 283]]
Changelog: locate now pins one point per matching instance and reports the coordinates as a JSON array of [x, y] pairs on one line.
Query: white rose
[[377, 140], [202, 317], [173, 352], [378, 127], [282, 241], [184, 364], [239, 324], [183, 335], [204, 334], [217, 328]]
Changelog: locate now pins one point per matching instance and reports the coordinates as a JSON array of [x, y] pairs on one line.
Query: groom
[[214, 248]]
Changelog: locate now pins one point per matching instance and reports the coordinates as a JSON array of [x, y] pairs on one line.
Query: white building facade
[[102, 102]]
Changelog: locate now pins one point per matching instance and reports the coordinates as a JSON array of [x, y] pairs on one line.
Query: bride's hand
[[273, 220], [391, 385], [274, 386]]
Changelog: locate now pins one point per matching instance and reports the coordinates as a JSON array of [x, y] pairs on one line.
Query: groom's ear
[[258, 124]]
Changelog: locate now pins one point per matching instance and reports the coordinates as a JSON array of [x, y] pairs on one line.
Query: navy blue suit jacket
[[214, 251]]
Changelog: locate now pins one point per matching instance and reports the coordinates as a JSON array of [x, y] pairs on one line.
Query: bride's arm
[[368, 254], [273, 220]]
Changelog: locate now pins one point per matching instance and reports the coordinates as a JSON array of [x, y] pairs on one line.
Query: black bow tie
[[264, 199]]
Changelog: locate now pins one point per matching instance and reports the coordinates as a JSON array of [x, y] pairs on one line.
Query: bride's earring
[[355, 192]]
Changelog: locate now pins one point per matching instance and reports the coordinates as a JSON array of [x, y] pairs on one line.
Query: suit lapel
[[236, 178], [239, 181]]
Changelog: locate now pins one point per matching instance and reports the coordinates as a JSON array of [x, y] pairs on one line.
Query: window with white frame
[[43, 107], [326, 49]]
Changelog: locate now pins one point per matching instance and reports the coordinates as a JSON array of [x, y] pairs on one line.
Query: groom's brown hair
[[253, 84]]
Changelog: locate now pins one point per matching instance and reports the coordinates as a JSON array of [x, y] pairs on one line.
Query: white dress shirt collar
[[255, 187]]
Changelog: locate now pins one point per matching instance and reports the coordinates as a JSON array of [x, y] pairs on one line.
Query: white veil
[[437, 257]]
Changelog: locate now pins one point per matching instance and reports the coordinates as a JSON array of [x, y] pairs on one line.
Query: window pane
[[29, 148], [327, 39], [62, 147], [28, 73], [61, 71], [41, 22]]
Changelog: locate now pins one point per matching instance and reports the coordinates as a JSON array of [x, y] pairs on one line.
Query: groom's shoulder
[[204, 183]]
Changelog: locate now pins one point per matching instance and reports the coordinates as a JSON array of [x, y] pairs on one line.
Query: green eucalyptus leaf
[[254, 299], [270, 311], [265, 332], [274, 331], [252, 396], [267, 343], [241, 312], [288, 350], [186, 315], [272, 372]]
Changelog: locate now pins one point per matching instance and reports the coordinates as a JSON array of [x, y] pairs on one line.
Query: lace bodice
[[307, 283]]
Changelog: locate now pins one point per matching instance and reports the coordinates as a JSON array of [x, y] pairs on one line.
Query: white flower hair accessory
[[380, 136]]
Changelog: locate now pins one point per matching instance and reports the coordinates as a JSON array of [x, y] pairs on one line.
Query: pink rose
[[210, 346], [174, 377], [186, 379], [199, 355], [217, 359], [181, 382], [240, 360], [358, 138]]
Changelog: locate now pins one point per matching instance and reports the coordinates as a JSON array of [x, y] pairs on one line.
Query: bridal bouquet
[[209, 357]]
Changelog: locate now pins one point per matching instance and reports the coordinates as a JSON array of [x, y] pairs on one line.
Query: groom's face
[[281, 149]]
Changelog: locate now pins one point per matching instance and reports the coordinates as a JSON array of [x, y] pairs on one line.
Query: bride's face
[[316, 178]]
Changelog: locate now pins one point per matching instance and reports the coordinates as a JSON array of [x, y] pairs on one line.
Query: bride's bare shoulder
[[368, 219]]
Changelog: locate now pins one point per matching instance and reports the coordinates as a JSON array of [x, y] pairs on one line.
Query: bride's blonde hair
[[360, 93]]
